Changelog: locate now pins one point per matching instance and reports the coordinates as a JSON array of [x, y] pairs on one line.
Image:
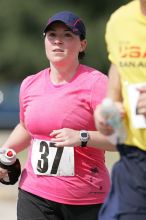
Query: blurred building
[[9, 105]]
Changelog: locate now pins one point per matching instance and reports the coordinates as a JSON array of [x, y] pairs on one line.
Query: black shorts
[[127, 197], [32, 207]]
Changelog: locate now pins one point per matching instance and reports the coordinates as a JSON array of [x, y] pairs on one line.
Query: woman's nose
[[59, 40]]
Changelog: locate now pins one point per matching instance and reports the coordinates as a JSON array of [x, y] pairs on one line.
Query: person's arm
[[114, 84], [69, 137], [114, 92], [19, 139]]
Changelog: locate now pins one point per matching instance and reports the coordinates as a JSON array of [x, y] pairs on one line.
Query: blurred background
[[22, 47], [22, 54]]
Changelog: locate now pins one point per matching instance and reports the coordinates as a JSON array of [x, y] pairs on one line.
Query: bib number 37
[[52, 161]]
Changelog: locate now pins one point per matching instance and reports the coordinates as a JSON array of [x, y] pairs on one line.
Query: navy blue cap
[[70, 19]]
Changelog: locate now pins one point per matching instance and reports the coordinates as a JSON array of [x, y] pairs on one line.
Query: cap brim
[[75, 31]]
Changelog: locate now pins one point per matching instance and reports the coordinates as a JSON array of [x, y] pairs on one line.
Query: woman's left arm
[[70, 137]]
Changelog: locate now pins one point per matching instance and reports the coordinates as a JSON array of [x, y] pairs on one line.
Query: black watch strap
[[83, 144]]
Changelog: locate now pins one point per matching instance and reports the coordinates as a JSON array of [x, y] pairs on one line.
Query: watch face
[[84, 135]]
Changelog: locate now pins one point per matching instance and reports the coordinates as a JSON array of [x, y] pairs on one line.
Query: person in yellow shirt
[[126, 44]]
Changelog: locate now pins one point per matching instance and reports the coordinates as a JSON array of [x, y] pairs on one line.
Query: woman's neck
[[62, 74]]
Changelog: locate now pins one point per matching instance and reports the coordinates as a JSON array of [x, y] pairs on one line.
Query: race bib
[[52, 161]]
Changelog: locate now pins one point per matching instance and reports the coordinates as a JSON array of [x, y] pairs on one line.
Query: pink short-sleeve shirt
[[45, 107]]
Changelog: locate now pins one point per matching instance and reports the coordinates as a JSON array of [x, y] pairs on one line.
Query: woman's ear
[[83, 45]]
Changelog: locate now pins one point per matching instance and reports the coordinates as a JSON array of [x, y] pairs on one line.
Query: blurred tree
[[22, 22], [97, 8]]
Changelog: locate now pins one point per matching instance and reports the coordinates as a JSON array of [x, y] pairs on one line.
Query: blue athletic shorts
[[127, 196]]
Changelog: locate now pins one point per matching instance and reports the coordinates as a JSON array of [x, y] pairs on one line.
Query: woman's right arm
[[19, 139]]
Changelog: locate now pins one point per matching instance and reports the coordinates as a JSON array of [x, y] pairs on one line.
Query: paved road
[[8, 198], [7, 210]]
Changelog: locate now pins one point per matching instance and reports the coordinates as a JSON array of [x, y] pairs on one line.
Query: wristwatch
[[84, 137]]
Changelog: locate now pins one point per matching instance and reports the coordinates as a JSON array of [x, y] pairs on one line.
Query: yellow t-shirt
[[126, 43]]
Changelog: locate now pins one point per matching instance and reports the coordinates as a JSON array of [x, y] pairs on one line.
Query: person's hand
[[101, 123], [141, 104], [3, 173], [66, 137]]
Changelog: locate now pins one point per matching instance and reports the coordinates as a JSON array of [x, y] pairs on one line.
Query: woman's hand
[[3, 173], [66, 137], [141, 104]]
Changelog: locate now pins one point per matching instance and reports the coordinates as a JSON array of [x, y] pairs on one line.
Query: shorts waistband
[[129, 150]]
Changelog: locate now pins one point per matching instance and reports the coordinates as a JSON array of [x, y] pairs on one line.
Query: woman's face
[[62, 45]]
